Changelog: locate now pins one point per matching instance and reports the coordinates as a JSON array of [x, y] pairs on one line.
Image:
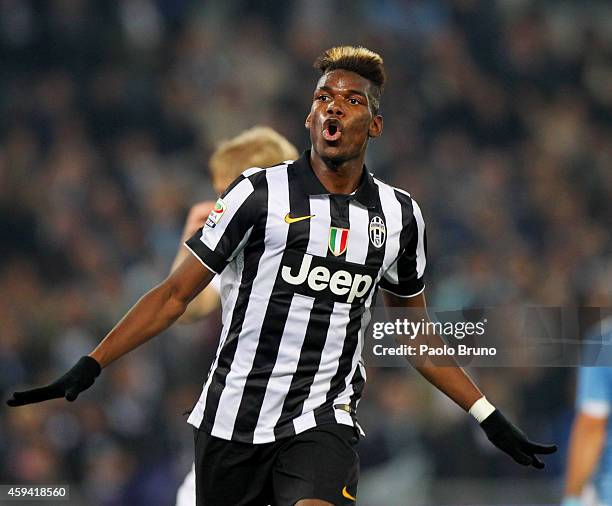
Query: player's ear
[[307, 122], [376, 126]]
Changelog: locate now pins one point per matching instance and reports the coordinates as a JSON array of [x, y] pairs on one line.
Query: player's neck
[[341, 177]]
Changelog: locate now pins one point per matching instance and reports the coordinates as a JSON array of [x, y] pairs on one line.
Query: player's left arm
[[453, 381], [403, 286]]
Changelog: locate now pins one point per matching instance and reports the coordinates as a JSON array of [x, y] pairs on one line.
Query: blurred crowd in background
[[497, 120]]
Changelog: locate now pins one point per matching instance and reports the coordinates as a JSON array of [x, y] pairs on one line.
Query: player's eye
[[323, 98], [354, 101]]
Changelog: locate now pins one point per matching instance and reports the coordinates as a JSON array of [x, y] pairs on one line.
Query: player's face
[[341, 119]]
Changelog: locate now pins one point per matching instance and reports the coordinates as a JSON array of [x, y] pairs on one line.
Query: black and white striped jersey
[[300, 269]]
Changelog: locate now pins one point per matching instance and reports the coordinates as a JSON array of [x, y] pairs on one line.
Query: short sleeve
[[594, 393], [404, 277], [228, 226]]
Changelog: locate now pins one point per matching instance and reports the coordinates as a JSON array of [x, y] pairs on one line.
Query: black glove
[[70, 385], [510, 439]]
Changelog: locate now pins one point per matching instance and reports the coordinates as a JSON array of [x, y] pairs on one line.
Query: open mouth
[[332, 130]]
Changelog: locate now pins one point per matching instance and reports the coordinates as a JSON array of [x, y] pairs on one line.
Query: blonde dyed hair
[[259, 146], [360, 60]]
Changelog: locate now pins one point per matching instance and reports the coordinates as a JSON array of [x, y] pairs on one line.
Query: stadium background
[[497, 120]]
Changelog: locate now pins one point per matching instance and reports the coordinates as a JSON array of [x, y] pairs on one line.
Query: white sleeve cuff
[[481, 409]]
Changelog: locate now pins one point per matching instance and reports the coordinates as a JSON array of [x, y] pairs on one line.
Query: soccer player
[[302, 249], [257, 147], [590, 452]]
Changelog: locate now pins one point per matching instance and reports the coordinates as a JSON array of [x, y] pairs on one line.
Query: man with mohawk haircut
[[304, 248]]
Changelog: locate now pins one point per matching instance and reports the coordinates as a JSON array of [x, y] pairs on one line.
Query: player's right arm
[[223, 236], [213, 247], [153, 313]]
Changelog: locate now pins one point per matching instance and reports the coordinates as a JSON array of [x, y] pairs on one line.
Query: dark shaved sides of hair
[[360, 60]]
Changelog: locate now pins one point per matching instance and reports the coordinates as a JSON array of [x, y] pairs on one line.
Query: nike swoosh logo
[[347, 495], [289, 219]]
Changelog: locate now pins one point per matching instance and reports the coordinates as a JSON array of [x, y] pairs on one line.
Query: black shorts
[[320, 463]]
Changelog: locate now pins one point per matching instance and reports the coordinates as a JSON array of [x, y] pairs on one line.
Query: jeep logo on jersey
[[216, 213], [338, 240], [378, 231], [313, 277]]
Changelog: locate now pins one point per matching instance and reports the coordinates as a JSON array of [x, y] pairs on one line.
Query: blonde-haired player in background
[[257, 147]]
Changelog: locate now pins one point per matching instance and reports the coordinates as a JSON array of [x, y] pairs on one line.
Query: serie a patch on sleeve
[[216, 213]]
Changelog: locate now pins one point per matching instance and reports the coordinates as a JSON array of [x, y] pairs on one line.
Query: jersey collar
[[365, 194]]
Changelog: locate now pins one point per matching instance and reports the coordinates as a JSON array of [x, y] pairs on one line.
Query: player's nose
[[335, 108]]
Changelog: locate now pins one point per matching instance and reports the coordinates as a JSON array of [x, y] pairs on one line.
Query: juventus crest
[[378, 231]]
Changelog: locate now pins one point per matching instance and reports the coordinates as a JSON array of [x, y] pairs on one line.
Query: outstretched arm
[[152, 314], [214, 246], [453, 381]]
